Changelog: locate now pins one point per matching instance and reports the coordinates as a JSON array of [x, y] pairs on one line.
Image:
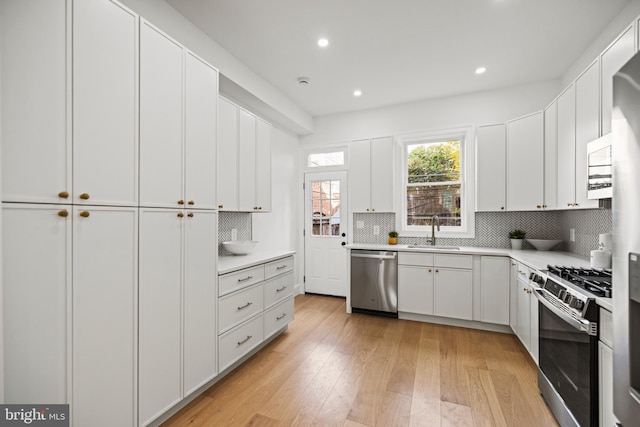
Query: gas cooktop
[[595, 281]]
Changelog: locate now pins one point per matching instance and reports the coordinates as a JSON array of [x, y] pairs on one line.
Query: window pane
[[433, 162], [425, 201], [325, 202], [325, 159]]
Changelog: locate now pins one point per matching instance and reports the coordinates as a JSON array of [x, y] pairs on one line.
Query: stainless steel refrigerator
[[626, 243]]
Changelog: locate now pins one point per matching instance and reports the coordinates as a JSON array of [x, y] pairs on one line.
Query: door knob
[[343, 243], [344, 234]]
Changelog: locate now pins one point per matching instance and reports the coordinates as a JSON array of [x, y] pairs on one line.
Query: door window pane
[[325, 208]]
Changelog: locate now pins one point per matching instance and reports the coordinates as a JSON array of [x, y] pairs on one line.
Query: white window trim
[[466, 134]]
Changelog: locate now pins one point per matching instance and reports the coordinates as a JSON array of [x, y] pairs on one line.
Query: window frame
[[466, 136], [305, 153]]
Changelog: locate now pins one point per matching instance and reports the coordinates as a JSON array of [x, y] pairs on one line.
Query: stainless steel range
[[568, 330]]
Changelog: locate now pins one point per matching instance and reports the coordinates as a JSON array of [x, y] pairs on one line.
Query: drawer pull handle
[[281, 289], [281, 267], [84, 214], [245, 279], [245, 340], [281, 317], [84, 196], [245, 306], [190, 214], [63, 194], [191, 202]]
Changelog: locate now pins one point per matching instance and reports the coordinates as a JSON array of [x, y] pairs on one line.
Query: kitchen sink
[[437, 247]]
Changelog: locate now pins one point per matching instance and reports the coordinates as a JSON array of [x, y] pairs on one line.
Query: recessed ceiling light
[[357, 92], [480, 70], [323, 42]]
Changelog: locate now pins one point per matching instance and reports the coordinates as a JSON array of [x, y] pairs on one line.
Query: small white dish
[[240, 247], [543, 244]]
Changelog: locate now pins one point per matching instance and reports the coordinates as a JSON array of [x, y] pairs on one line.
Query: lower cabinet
[[605, 369], [254, 303], [527, 312], [177, 321], [494, 289]]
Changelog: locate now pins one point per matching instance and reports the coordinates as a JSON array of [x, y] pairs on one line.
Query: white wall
[[495, 106], [278, 106]]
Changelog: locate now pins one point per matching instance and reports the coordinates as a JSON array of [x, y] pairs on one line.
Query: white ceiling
[[398, 51]]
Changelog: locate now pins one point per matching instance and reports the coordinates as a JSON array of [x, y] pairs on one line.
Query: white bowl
[[543, 244], [240, 247]]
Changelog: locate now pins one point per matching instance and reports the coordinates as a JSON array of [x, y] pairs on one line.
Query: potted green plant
[[517, 236], [393, 237]]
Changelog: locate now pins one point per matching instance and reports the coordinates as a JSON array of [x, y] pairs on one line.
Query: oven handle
[[581, 325]]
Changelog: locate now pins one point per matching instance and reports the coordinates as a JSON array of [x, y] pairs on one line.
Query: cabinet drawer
[[239, 341], [415, 258], [453, 261], [606, 327], [278, 289], [278, 317], [239, 306], [279, 266], [230, 282]]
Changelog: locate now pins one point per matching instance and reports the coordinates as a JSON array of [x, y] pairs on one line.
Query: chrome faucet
[[435, 220]]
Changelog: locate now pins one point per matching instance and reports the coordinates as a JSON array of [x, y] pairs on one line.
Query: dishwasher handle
[[353, 255]]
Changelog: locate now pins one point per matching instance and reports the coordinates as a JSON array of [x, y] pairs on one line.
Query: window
[[325, 208], [436, 166], [315, 160]]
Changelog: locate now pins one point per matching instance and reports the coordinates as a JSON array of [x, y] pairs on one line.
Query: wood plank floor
[[335, 369]]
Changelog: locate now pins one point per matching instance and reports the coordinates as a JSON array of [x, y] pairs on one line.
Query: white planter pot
[[516, 243]]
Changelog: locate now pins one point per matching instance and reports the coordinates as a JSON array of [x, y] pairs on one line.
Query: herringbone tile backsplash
[[492, 229], [227, 221]]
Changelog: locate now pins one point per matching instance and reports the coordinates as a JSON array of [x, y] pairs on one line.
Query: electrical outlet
[[572, 234], [359, 224], [376, 230], [234, 234]]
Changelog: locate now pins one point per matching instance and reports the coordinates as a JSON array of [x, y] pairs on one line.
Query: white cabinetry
[[491, 163], [525, 162], [254, 303], [244, 160], [551, 156], [613, 57], [105, 301], [494, 290], [105, 99], [439, 284], [513, 296], [587, 128], [35, 101], [178, 104], [527, 312], [567, 147], [177, 306], [371, 175], [36, 280], [605, 370]]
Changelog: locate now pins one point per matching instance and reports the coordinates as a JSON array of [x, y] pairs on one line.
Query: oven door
[[568, 360]]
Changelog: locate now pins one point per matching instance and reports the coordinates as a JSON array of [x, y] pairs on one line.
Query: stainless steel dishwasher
[[374, 282]]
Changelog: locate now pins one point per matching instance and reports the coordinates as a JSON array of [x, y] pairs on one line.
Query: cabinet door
[[36, 303], [160, 311], [524, 315], [513, 296], [415, 289], [605, 383], [551, 156], [453, 295], [382, 174], [263, 166], [105, 290], [614, 57], [534, 343], [494, 290], [105, 88], [567, 147], [525, 163], [587, 128], [360, 176], [200, 296], [35, 100], [227, 170], [201, 105], [161, 96], [491, 163], [246, 161]]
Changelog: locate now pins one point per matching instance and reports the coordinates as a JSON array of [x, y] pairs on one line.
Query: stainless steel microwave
[[600, 168]]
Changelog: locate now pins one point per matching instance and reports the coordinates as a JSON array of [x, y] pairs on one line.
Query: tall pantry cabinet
[[72, 92]]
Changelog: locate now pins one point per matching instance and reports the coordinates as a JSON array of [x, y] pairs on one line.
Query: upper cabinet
[[371, 175], [244, 160], [614, 57], [567, 147], [551, 156], [178, 105], [105, 104], [491, 182], [525, 163], [35, 116]]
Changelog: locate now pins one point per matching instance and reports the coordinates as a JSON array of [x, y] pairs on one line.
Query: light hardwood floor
[[334, 369]]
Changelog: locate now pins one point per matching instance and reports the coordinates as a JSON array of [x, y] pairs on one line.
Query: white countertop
[[229, 263]]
